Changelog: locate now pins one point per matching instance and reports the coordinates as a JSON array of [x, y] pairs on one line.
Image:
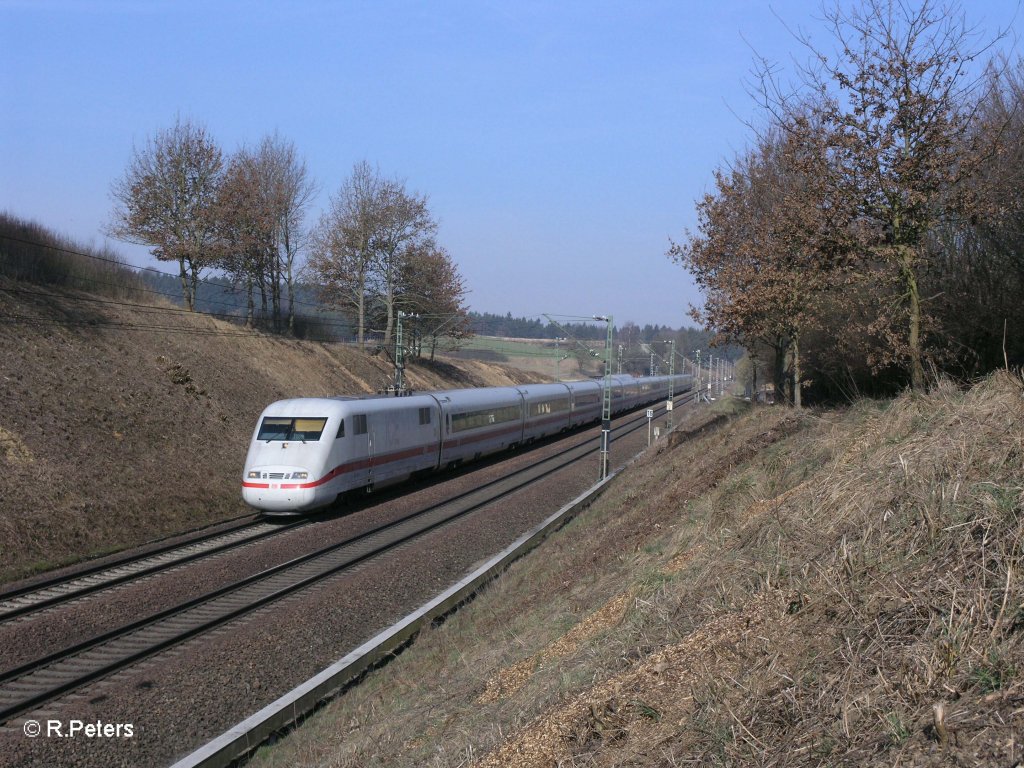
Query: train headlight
[[300, 475], [253, 475]]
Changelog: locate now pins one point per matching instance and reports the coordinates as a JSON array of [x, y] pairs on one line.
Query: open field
[[815, 588], [538, 356]]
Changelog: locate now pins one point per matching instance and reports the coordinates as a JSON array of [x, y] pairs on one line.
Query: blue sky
[[561, 144]]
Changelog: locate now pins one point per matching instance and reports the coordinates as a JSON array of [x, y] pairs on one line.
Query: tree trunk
[[362, 320], [779, 369], [275, 291], [291, 300], [390, 324], [193, 286], [914, 335], [797, 399], [250, 309], [186, 293]]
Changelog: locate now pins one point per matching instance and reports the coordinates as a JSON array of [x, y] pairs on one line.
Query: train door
[[374, 446], [362, 451], [384, 441]]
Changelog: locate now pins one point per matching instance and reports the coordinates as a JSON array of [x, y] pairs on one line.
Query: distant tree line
[[872, 234], [372, 256], [489, 324]]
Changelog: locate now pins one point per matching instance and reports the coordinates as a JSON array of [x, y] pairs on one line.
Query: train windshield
[[277, 428]]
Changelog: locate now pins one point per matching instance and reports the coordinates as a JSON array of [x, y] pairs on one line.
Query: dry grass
[[508, 681], [827, 589]]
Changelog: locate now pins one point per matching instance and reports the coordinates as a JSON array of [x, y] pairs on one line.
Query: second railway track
[[52, 592]]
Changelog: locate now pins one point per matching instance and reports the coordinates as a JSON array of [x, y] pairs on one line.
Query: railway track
[[32, 685], [52, 592]]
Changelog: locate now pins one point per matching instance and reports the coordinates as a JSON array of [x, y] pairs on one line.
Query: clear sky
[[561, 144]]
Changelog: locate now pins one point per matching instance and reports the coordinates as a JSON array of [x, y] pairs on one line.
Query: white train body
[[305, 452]]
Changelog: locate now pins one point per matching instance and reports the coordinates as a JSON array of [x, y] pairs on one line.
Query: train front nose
[[278, 489]]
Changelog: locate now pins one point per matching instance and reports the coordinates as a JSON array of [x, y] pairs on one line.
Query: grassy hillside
[[836, 588], [124, 421]]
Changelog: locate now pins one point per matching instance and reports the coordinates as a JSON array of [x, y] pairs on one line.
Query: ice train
[[305, 452]]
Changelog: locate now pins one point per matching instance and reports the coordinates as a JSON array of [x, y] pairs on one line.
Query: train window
[[424, 416], [276, 428], [550, 406], [474, 419], [359, 424], [341, 430], [308, 429]]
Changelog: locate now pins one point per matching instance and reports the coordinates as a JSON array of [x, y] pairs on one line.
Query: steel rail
[[132, 573], [56, 581]]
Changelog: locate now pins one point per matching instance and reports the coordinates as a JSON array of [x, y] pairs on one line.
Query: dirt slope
[[113, 434]]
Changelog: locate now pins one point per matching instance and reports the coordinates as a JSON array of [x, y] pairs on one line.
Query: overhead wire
[[108, 324]]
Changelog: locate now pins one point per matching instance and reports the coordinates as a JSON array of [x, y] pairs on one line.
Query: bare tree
[[362, 245], [342, 256], [980, 250], [166, 200], [246, 228], [434, 292], [261, 215], [289, 192], [767, 251], [403, 229], [896, 105]]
